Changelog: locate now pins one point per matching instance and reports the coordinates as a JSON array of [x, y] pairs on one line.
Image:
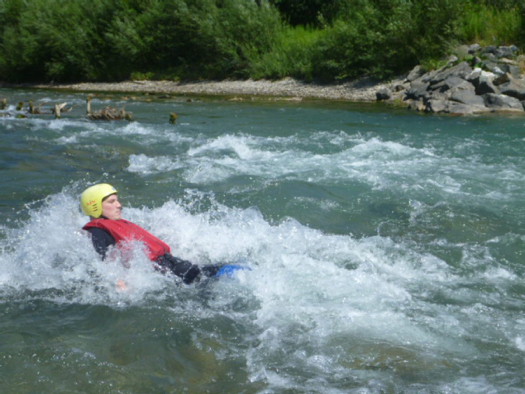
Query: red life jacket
[[123, 230]]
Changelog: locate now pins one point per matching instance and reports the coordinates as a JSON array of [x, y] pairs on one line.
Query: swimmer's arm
[[102, 240]]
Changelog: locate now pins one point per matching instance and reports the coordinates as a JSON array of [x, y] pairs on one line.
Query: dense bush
[[105, 40], [385, 37], [197, 39], [309, 12], [66, 40]]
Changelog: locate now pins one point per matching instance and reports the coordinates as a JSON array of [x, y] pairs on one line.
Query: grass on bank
[[492, 26]]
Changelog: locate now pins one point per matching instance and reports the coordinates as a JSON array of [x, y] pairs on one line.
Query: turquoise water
[[387, 249]]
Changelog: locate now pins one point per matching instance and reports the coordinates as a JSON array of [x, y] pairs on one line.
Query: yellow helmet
[[91, 198]]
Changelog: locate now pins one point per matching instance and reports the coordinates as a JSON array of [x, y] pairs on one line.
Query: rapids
[[386, 247]]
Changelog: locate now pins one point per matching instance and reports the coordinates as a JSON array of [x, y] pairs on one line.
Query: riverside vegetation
[[322, 40]]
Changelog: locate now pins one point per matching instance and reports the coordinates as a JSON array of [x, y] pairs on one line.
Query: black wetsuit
[[189, 272]]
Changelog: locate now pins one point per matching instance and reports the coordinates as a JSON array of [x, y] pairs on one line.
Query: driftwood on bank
[[59, 109], [107, 113], [35, 110]]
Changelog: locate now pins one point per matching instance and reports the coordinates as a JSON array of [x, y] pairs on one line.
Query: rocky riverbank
[[477, 80]]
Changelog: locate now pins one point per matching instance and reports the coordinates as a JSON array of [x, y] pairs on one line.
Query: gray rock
[[474, 48], [484, 82], [491, 66], [416, 72], [474, 74], [416, 105], [451, 60], [436, 106], [490, 49], [464, 109], [512, 69], [490, 57], [465, 85], [401, 86], [461, 70], [505, 60], [448, 83], [417, 90], [434, 95], [431, 75], [500, 80], [513, 88], [507, 51], [467, 97], [383, 94], [500, 102]]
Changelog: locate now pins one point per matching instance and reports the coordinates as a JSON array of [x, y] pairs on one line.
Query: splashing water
[[386, 251]]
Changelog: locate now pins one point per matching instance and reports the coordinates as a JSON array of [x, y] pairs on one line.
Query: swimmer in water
[[108, 229]]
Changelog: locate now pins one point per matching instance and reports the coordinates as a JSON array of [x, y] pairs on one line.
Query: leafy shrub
[[290, 55], [105, 40]]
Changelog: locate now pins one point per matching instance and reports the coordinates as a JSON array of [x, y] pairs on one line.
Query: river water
[[386, 249]]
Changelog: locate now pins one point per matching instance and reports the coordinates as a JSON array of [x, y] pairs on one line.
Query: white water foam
[[148, 165], [343, 302]]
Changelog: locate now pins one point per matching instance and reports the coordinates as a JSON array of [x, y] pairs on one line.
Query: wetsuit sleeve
[[102, 240], [184, 269]]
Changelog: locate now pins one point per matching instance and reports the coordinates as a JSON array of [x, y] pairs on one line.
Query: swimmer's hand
[[230, 269], [121, 285]]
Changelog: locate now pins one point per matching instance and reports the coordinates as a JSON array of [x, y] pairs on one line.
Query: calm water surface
[[387, 250]]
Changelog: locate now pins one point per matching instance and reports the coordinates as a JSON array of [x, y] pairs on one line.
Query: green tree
[[309, 12]]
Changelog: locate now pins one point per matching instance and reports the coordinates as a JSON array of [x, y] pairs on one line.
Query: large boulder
[[468, 107], [500, 102], [461, 70], [467, 97], [464, 85], [417, 90], [448, 83], [483, 82], [457, 108], [383, 94], [492, 66], [416, 72], [416, 105], [436, 106], [513, 87], [509, 66], [434, 95]]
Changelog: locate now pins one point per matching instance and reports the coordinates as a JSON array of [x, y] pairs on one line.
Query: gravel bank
[[361, 90]]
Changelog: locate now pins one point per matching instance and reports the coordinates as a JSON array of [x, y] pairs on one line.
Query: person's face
[[111, 208]]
